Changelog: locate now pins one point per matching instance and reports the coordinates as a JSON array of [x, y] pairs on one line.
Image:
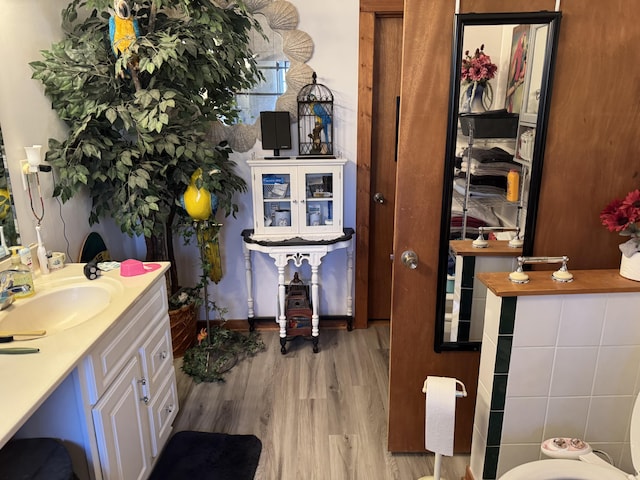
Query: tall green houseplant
[[139, 101]]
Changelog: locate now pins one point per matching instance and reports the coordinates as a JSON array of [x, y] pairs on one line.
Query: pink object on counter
[[131, 268]]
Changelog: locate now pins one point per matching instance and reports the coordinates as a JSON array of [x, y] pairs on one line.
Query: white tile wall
[[524, 419], [587, 311], [566, 417], [492, 316], [621, 322], [615, 369], [530, 371], [608, 419], [478, 445], [481, 420], [574, 371], [537, 320]]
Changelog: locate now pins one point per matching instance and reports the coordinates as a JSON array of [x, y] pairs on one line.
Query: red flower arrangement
[[623, 216], [478, 68]]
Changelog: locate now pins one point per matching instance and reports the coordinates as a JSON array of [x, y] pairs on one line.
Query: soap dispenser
[[22, 277]]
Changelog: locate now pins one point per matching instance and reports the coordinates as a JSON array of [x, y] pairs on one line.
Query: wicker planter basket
[[183, 329]]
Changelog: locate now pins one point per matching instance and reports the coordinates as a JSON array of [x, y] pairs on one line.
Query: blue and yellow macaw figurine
[[201, 207], [123, 28], [323, 119], [197, 200]]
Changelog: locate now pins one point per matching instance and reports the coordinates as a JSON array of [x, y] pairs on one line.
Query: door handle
[[409, 259], [379, 198]]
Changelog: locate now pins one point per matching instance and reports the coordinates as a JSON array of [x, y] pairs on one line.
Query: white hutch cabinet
[[297, 198], [298, 207]]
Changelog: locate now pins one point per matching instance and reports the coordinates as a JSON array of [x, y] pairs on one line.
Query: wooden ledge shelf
[[541, 283], [496, 248]]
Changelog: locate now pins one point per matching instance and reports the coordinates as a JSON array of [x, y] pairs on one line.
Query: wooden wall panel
[[593, 144]]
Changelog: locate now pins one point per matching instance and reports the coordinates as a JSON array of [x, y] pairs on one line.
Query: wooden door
[[428, 30], [379, 90], [386, 93]]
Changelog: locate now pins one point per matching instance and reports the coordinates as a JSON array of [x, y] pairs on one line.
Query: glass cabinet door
[[319, 199], [276, 196]]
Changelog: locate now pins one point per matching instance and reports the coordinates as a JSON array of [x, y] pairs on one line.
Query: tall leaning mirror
[[501, 79]]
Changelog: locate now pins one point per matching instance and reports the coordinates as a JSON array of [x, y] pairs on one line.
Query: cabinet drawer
[[163, 409], [109, 355], [157, 353]]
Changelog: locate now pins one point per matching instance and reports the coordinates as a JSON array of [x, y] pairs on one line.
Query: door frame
[[369, 11]]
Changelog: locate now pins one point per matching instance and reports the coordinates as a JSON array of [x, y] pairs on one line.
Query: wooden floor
[[319, 416]]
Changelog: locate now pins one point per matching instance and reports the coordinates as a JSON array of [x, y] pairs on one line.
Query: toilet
[[588, 467]]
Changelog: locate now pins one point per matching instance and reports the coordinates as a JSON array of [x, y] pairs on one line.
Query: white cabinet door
[[122, 426], [320, 206]]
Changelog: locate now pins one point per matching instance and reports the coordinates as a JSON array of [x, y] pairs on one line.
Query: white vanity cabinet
[[105, 387], [130, 388], [297, 198]]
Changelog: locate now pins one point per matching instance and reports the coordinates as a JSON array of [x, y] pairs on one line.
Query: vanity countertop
[[27, 380], [541, 283]]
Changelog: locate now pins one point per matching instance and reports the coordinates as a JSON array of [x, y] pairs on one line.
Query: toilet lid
[[562, 469], [635, 434]]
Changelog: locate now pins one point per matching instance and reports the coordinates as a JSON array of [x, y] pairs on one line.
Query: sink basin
[[57, 309]]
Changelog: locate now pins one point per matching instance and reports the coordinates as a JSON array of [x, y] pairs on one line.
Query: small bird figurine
[[202, 335], [322, 116], [123, 28]]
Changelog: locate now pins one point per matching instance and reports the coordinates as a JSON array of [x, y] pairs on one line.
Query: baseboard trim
[[328, 322], [468, 475]]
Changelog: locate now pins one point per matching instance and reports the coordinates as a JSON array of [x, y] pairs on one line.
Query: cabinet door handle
[[170, 408], [142, 381], [145, 399], [163, 355]]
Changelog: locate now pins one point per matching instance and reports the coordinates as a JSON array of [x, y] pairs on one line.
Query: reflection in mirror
[[273, 65], [8, 220], [501, 84], [282, 60]]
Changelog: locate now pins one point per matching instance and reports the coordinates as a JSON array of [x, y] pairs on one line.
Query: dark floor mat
[[208, 456]]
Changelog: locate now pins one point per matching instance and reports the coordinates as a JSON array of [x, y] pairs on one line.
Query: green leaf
[[111, 115]]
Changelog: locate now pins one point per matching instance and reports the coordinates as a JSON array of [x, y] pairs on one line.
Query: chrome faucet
[[480, 242], [561, 275]]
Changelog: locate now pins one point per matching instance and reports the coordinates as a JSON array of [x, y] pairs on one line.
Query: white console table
[[297, 250]]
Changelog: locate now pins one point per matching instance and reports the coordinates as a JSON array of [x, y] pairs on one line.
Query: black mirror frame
[[461, 20]]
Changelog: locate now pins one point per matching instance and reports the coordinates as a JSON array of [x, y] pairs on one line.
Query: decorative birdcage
[[315, 120]]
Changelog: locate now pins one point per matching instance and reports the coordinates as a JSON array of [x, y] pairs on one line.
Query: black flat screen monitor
[[276, 131]]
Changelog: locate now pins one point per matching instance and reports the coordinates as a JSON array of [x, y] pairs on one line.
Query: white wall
[[26, 118]]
